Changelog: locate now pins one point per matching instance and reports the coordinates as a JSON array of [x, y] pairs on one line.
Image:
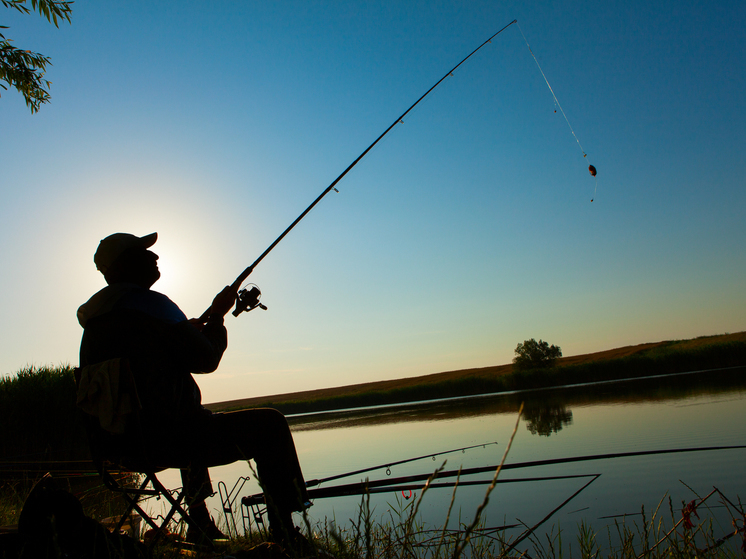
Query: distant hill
[[637, 360]]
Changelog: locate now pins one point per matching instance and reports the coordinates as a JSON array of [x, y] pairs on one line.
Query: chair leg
[[176, 503], [132, 504], [156, 489]]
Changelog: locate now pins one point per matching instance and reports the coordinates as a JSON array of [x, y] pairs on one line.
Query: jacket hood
[[104, 301]]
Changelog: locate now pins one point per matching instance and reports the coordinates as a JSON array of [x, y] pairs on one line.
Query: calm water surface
[[688, 411]]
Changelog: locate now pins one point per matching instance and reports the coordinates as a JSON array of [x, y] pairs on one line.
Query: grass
[[663, 536], [12, 497], [38, 415], [40, 423], [669, 533]]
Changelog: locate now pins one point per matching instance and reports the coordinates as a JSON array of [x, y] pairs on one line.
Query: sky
[[467, 230]]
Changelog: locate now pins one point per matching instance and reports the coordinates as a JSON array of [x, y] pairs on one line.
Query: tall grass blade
[[667, 535], [477, 517], [547, 517], [436, 555]]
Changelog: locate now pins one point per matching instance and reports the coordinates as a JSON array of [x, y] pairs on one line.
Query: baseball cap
[[111, 248]]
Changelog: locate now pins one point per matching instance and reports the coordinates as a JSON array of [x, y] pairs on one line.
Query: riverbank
[[665, 357], [43, 431], [27, 407]]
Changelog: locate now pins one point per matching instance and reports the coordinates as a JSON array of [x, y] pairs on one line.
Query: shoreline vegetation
[[630, 362], [42, 430]]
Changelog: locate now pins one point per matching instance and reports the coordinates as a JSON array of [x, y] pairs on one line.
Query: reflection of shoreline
[[643, 360], [627, 391]]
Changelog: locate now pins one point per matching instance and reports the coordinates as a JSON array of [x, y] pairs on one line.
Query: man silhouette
[[127, 322]]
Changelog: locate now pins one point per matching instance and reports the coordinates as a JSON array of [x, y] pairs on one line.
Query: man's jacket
[[151, 334]]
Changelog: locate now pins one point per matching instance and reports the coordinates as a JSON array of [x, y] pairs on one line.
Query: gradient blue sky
[[468, 230]]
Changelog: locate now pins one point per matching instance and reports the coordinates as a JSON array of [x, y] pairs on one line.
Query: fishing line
[[591, 168], [551, 90]]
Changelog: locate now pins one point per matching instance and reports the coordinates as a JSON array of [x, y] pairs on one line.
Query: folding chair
[[108, 395], [149, 486]]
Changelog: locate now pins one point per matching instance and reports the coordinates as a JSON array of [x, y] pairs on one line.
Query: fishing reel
[[248, 299]]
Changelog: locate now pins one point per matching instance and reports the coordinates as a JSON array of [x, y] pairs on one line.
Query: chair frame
[[150, 486]]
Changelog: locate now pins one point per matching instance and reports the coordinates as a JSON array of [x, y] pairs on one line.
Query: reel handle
[[248, 300]]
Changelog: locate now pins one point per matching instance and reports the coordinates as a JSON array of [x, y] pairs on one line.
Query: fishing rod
[[388, 483], [315, 482], [555, 461], [248, 297], [405, 483]]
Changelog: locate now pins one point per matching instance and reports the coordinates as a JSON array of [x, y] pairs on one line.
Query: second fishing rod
[[248, 296]]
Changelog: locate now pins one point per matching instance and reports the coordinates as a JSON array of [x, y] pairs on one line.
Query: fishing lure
[[591, 168]]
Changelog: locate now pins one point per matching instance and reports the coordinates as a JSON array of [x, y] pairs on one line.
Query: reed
[[37, 404], [670, 532], [40, 422], [39, 418], [12, 497]]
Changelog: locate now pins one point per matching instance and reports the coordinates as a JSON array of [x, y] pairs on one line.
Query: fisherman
[[130, 325]]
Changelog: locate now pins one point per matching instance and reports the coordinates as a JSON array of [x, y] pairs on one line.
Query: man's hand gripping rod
[[248, 299]]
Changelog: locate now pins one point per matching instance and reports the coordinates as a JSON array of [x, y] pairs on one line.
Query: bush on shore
[[39, 417]]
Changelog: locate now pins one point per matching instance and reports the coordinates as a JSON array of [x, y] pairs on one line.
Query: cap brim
[[148, 240]]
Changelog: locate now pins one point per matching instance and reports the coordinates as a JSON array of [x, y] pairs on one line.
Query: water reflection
[[673, 412], [634, 391], [546, 419], [621, 418]]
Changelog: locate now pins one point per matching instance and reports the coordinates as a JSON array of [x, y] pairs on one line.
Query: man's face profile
[[136, 265]]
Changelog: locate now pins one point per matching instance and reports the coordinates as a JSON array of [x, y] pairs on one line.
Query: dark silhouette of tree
[[23, 69], [534, 355], [547, 418]]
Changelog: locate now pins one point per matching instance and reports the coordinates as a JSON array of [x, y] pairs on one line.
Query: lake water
[[677, 412]]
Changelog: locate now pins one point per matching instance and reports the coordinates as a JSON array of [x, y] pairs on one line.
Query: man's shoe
[[295, 543], [204, 535]]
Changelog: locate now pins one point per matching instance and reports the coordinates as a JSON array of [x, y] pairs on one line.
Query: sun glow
[[191, 266]]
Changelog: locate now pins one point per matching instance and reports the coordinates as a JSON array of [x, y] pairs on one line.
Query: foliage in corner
[[535, 355], [24, 69]]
